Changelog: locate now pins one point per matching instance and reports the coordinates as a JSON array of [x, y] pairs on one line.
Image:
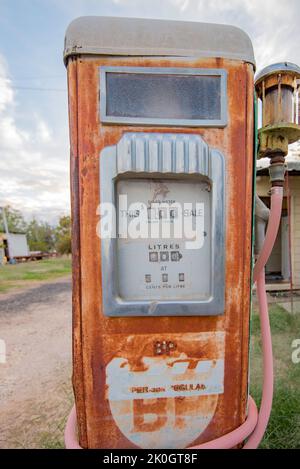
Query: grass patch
[[53, 439], [284, 426], [283, 431], [13, 276], [53, 436], [280, 320]]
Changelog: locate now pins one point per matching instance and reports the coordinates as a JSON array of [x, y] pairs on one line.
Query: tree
[[15, 220], [40, 236], [63, 235]]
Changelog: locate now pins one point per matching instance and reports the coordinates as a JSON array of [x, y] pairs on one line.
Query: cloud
[[43, 132], [273, 25], [34, 175], [6, 93]]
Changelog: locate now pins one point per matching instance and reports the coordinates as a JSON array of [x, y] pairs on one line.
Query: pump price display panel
[[164, 255]]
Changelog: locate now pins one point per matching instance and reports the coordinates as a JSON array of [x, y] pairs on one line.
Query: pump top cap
[[100, 35], [281, 67]]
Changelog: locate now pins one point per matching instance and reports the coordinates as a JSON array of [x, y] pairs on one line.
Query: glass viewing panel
[[153, 96]]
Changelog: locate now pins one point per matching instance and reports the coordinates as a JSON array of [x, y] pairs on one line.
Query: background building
[[18, 246], [283, 268]]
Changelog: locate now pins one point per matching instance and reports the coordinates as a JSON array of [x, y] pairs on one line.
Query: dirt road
[[35, 381]]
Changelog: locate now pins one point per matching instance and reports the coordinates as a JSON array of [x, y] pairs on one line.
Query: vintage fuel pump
[[162, 171]]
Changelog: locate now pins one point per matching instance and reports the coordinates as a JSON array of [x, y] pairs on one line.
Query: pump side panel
[[98, 340]]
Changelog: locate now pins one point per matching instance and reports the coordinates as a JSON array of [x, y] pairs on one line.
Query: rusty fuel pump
[[162, 169]]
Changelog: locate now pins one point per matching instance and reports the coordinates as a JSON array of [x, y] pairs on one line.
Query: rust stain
[[141, 407]]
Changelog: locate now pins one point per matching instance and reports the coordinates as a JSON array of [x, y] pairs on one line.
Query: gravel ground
[[35, 383], [15, 303]]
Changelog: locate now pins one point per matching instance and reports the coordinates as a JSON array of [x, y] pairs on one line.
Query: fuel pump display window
[[140, 95], [162, 226], [169, 239]]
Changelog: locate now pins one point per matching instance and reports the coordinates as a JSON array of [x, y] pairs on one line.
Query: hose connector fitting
[[277, 169]]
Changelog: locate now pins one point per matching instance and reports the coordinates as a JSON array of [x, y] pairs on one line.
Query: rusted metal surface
[[97, 339], [76, 270], [277, 94]]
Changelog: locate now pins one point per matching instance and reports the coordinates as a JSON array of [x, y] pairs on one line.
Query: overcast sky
[[34, 145]]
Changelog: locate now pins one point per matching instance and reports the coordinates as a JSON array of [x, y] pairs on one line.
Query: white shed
[[17, 243]]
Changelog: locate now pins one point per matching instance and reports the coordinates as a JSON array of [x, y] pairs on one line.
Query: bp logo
[[166, 400]]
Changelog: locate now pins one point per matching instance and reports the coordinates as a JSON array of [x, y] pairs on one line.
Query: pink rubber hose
[[273, 225], [255, 424], [71, 438], [259, 277]]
